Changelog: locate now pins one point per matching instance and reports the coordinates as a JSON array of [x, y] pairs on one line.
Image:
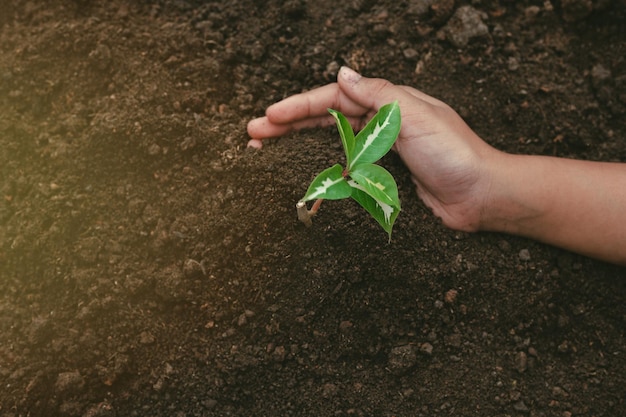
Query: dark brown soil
[[151, 265]]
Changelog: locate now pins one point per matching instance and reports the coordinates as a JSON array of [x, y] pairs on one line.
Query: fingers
[[313, 103], [263, 127], [305, 110], [353, 95], [373, 93], [370, 93]]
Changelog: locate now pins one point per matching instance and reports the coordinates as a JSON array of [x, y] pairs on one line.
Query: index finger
[[313, 104]]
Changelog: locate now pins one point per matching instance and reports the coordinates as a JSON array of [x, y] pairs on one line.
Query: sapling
[[371, 185]]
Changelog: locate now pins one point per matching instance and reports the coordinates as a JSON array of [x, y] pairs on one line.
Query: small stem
[[316, 206], [304, 215]]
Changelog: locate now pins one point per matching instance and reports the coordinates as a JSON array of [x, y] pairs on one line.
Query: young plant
[[371, 185]]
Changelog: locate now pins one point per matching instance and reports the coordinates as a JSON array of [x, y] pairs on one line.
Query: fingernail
[[349, 74]]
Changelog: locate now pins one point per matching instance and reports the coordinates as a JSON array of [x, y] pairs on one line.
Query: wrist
[[509, 205]]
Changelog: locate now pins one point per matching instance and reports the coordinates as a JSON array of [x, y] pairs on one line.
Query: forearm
[[577, 205]]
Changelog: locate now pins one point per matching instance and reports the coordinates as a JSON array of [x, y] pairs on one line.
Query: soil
[[152, 265]]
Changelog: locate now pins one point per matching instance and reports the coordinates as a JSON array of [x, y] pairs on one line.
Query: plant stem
[[316, 206], [304, 215]]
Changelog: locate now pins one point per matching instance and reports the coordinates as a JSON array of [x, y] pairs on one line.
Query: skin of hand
[[471, 186]]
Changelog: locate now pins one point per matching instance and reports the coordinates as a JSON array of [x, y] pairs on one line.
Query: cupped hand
[[450, 165]]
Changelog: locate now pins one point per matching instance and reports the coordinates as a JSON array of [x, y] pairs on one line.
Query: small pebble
[[520, 407], [450, 296], [426, 348], [345, 325], [466, 24], [402, 358], [69, 382], [564, 347], [410, 53], [329, 390], [279, 354], [524, 255], [146, 338], [154, 149], [504, 246], [192, 268], [521, 362], [532, 12]]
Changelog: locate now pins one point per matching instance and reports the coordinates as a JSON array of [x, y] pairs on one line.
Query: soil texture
[[152, 265]]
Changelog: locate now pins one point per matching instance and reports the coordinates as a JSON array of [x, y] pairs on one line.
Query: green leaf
[[330, 184], [370, 185], [377, 137], [346, 133], [377, 182], [383, 213]]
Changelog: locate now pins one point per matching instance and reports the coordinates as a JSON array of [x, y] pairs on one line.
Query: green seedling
[[371, 185]]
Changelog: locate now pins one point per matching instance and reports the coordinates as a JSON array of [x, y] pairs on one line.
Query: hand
[[448, 162], [576, 205]]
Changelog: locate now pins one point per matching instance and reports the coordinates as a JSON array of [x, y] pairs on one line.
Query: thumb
[[371, 93]]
